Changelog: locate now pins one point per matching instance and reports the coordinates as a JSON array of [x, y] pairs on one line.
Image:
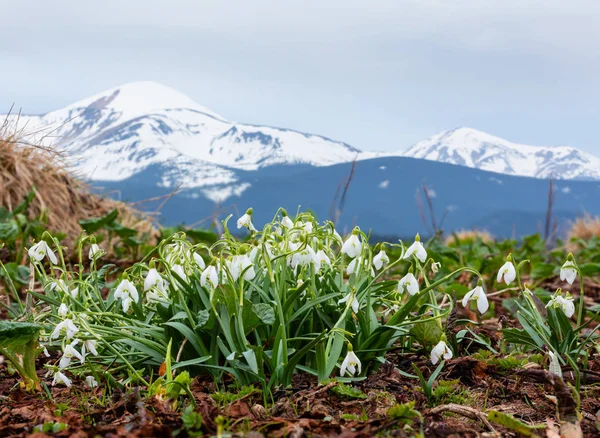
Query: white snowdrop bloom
[[210, 276], [40, 250], [91, 382], [417, 249], [199, 261], [380, 260], [353, 266], [45, 351], [89, 345], [351, 364], [63, 310], [439, 351], [58, 284], [307, 227], [477, 294], [178, 269], [66, 325], [69, 353], [435, 267], [391, 309], [337, 236], [246, 221], [153, 280], [127, 293], [304, 257], [568, 272], [61, 378], [74, 292], [507, 273], [352, 246], [253, 253], [240, 263], [565, 303], [287, 222], [354, 304], [410, 283], [95, 252], [322, 259]]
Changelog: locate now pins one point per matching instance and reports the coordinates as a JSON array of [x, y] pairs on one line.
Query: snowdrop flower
[[40, 250], [304, 257], [568, 271], [507, 272], [394, 308], [285, 220], [416, 249], [60, 284], [354, 303], [89, 345], [351, 363], [246, 221], [74, 292], [68, 353], [63, 310], [566, 303], [322, 259], [153, 279], [439, 351], [199, 261], [380, 260], [210, 276], [435, 267], [178, 269], [410, 283], [91, 382], [478, 295], [95, 252], [66, 325], [352, 246], [61, 378], [239, 264], [128, 294]]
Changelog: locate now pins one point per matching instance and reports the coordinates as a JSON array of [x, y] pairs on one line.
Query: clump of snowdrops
[[293, 297]]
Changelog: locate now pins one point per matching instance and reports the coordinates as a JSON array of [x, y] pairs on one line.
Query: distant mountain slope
[[472, 148], [382, 196]]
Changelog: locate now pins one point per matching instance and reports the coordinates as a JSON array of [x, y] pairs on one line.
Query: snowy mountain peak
[[472, 148], [137, 98]]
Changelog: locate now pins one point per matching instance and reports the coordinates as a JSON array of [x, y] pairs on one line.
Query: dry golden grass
[[583, 228], [468, 236], [60, 196]]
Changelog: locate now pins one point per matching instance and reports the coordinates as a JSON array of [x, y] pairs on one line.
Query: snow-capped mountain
[[472, 148], [122, 131]]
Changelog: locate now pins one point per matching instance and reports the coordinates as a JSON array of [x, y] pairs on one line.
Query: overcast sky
[[379, 75]]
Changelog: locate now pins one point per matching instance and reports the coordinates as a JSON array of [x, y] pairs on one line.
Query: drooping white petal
[[410, 283], [507, 273], [439, 351], [94, 252], [352, 247], [477, 294], [210, 276], [63, 310], [199, 261], [91, 382], [568, 272], [61, 378], [351, 363], [417, 249], [246, 221], [380, 260]]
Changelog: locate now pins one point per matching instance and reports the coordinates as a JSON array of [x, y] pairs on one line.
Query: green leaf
[[590, 269], [203, 317], [15, 334], [348, 392], [265, 312], [94, 224], [541, 271], [9, 231]]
